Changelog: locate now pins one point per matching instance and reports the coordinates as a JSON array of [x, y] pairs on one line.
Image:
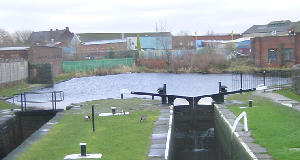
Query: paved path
[[275, 97], [160, 144]]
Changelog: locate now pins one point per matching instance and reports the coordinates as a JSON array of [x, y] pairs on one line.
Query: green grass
[[19, 88], [64, 76], [116, 138], [289, 93], [4, 105], [273, 125]]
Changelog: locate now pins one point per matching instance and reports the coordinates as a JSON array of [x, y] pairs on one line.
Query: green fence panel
[[90, 65]]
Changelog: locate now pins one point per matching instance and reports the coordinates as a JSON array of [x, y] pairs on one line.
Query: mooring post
[[220, 84], [250, 103], [83, 149], [121, 95], [93, 117], [152, 97]]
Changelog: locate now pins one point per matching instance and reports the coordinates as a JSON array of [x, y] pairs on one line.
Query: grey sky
[[220, 16]]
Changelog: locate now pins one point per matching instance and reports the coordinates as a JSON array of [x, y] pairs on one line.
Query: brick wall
[[13, 54], [46, 55], [103, 47], [261, 45]]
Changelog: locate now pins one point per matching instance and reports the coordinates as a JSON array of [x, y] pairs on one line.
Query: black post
[[93, 117], [54, 100], [121, 95], [241, 80], [83, 149], [22, 102], [152, 97], [164, 98], [25, 101], [264, 78], [220, 84]]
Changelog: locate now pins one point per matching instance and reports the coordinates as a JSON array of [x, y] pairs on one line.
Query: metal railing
[[56, 96]]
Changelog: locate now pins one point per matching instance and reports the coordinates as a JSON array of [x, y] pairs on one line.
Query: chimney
[[67, 28], [51, 30]]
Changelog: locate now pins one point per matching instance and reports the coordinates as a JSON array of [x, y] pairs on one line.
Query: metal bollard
[[113, 110], [83, 149], [122, 96], [250, 103]]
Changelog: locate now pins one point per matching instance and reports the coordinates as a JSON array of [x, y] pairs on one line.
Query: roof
[[279, 26], [104, 42], [13, 48], [88, 37], [297, 26], [57, 35]]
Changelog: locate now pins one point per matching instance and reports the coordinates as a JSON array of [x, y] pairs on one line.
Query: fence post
[[220, 84], [241, 75], [25, 101], [264, 74], [22, 102]]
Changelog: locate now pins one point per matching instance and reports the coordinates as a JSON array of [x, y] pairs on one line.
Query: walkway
[[277, 98]]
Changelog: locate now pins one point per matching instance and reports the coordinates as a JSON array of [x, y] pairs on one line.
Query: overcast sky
[[201, 16]]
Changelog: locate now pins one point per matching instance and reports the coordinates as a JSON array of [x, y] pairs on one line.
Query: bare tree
[[22, 37], [164, 42], [6, 39]]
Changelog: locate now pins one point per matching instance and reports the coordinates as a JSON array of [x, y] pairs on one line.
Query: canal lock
[[194, 133], [16, 127]]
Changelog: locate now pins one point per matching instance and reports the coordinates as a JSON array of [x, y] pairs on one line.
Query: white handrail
[[243, 114]]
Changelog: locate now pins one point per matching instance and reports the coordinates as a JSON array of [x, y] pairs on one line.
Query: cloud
[[221, 16]]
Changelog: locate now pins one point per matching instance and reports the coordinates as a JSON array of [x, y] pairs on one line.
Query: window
[[272, 55], [287, 54]]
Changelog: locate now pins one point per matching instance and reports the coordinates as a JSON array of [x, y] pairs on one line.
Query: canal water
[[84, 89]]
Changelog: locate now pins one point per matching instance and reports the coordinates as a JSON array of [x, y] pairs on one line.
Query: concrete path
[[277, 98], [159, 148]]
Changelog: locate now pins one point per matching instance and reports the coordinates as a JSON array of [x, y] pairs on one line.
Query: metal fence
[[90, 65], [275, 78]]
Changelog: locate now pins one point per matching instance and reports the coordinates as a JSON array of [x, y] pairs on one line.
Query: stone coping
[[255, 151]]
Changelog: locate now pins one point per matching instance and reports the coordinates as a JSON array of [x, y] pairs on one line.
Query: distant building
[[46, 55], [276, 51], [64, 39], [274, 28], [101, 48], [149, 40], [183, 42]]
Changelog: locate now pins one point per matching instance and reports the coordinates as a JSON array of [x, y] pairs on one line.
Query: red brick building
[[101, 48], [219, 37], [46, 55], [276, 51]]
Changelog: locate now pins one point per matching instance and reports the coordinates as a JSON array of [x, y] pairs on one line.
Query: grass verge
[[289, 93], [116, 137], [273, 125]]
